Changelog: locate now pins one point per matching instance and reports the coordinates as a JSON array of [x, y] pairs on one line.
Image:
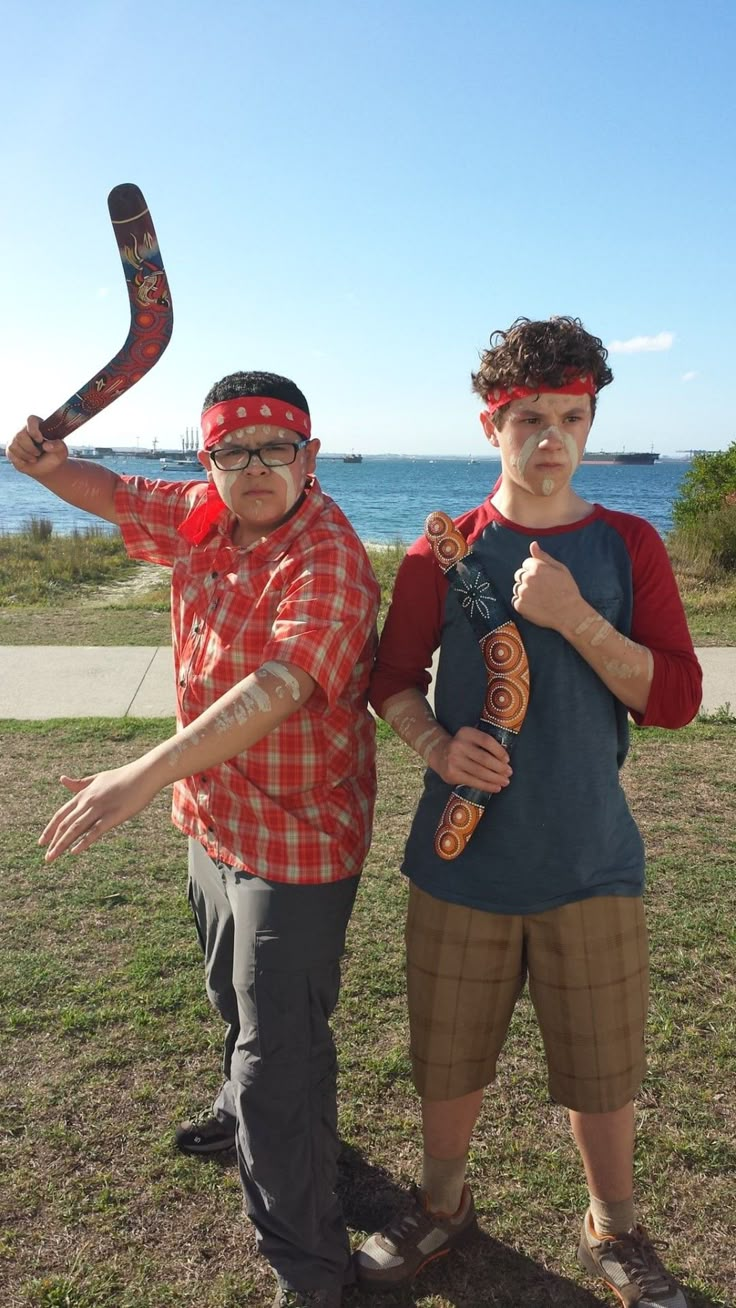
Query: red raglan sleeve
[[413, 628], [659, 623]]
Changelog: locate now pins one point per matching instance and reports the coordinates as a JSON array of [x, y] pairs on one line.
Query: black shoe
[[207, 1136]]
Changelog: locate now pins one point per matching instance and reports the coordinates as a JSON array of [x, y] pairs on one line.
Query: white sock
[[612, 1219]]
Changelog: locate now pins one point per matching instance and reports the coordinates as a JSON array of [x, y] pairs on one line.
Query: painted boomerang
[[151, 315], [507, 670]]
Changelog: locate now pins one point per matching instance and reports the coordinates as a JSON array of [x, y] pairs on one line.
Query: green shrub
[[708, 486], [706, 546], [703, 541]]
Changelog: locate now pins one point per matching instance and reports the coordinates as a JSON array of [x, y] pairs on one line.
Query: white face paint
[[225, 482], [520, 460], [574, 454], [294, 486], [282, 486], [535, 440]]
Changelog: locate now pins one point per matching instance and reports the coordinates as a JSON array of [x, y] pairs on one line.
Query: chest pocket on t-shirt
[[609, 606]]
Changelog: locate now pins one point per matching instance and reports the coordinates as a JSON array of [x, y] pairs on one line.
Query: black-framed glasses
[[233, 458]]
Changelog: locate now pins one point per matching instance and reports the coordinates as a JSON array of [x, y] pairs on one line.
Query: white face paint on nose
[[534, 441]]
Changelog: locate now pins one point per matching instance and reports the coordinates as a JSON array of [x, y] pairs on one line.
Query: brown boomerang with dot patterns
[[507, 671]]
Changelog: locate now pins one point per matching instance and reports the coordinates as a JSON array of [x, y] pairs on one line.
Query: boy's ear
[[312, 450], [486, 422], [205, 460]]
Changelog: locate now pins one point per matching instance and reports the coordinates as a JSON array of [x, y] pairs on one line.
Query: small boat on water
[[180, 463], [352, 458]]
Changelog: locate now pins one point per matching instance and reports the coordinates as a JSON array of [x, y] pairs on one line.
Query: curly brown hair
[[546, 352]]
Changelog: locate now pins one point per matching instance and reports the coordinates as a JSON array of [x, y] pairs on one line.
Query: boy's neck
[[527, 510]]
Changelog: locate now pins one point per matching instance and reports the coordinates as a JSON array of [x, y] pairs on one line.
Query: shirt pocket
[[610, 606]]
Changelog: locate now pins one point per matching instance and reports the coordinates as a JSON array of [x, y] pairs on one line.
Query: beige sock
[[442, 1182], [612, 1219]]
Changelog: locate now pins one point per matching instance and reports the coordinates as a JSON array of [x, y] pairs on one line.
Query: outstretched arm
[[88, 486], [234, 723]]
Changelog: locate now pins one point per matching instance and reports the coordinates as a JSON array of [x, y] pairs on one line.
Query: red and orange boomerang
[[507, 672], [151, 316]]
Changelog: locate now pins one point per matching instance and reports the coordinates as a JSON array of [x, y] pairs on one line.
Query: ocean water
[[385, 499]]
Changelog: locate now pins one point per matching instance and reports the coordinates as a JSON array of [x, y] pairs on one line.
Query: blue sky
[[357, 194]]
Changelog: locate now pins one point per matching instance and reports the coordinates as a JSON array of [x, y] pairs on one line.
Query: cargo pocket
[[282, 1003]]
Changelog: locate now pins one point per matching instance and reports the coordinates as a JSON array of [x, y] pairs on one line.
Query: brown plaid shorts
[[588, 971]]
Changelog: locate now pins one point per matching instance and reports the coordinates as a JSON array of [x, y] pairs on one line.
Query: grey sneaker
[[631, 1266], [207, 1136], [311, 1299], [393, 1256]]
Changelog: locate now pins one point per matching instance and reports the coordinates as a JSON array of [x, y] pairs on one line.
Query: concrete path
[[85, 681]]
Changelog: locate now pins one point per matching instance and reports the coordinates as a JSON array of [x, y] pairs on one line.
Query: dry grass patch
[[107, 1040]]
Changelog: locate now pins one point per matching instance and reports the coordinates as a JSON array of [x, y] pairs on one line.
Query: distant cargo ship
[[353, 458], [623, 456]]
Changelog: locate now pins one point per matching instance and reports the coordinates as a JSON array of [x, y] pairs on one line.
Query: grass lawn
[[84, 590], [107, 1040], [92, 594]]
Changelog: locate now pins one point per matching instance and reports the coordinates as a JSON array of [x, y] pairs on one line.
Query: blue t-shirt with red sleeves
[[561, 831]]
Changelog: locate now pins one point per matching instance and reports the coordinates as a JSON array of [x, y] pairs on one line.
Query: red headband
[[496, 398], [251, 411]]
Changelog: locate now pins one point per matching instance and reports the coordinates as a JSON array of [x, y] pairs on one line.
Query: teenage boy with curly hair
[[274, 605], [550, 887]]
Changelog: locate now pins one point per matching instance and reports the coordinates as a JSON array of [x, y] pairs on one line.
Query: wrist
[[161, 766], [436, 756], [576, 618]]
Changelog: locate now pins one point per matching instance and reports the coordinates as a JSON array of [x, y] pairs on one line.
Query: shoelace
[[642, 1262], [402, 1226]]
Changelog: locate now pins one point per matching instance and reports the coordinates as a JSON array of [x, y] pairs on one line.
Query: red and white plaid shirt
[[297, 806]]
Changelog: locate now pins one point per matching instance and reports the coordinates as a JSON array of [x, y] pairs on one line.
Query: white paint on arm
[[624, 666], [282, 674], [237, 721], [411, 717]]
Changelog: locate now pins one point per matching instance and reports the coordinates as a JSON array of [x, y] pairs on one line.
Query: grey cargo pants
[[272, 964]]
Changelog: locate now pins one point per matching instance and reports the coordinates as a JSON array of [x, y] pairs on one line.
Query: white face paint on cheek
[[531, 444], [227, 481], [293, 488], [573, 453], [525, 453]]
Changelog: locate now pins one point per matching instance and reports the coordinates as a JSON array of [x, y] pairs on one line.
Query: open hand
[[100, 802]]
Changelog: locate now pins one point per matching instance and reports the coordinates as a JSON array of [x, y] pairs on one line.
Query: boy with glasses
[[274, 605], [550, 885]]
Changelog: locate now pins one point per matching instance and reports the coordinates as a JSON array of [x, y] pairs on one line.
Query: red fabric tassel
[[202, 518]]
